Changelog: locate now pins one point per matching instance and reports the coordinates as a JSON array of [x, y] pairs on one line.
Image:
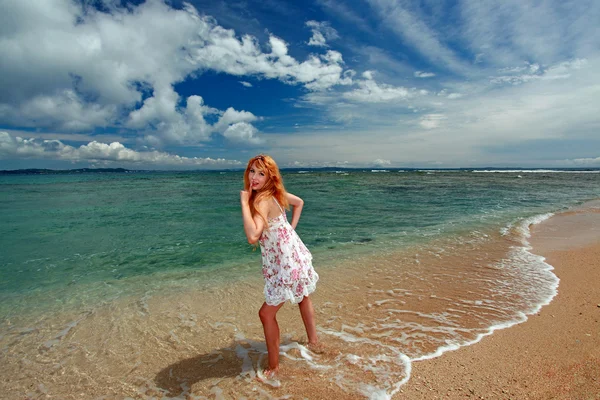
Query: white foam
[[247, 368], [527, 266], [523, 226], [269, 381], [523, 273], [218, 392], [455, 346], [387, 373], [304, 352]]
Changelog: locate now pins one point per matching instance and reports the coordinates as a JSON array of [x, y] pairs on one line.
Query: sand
[[554, 354]]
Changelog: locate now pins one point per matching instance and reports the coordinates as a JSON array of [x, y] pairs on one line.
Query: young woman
[[286, 262]]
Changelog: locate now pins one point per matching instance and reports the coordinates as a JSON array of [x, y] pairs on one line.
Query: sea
[[141, 284]]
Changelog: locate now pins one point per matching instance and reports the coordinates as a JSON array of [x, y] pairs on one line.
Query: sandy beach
[[553, 355]]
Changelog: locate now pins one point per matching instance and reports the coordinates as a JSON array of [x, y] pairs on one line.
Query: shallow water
[[142, 285]]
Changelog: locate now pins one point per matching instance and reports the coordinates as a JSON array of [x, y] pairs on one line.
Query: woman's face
[[257, 178]]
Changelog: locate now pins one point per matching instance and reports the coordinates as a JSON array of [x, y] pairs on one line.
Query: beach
[[431, 285], [555, 354]]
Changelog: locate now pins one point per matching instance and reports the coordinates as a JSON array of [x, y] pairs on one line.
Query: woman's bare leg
[[308, 317], [268, 318]]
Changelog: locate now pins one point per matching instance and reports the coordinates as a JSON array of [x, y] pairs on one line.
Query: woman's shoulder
[[263, 202]]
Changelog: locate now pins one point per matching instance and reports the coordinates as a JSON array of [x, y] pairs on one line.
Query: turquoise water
[[64, 232]]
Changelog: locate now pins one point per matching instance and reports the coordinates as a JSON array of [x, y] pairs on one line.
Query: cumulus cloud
[[64, 110], [368, 74], [504, 74], [321, 32], [242, 132], [231, 117], [219, 49], [166, 123], [114, 153], [69, 66]]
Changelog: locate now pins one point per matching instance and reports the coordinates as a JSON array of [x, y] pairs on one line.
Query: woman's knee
[[305, 301], [265, 314]]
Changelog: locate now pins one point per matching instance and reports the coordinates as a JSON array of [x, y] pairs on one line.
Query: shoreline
[[555, 354]]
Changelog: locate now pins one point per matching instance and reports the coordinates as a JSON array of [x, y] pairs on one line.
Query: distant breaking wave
[[545, 171]]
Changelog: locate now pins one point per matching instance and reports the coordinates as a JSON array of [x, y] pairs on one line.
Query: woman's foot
[[269, 377], [271, 373], [316, 347]]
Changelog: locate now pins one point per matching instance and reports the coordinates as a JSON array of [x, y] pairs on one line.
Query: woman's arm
[[253, 227], [297, 203]]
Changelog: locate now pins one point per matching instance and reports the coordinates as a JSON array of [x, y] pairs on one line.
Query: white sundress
[[286, 263]]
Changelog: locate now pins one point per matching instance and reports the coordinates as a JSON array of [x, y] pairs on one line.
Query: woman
[[287, 263]]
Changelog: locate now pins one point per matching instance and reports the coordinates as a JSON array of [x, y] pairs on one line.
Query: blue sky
[[363, 83]]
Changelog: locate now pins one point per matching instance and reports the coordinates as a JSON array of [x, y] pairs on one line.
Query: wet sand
[[553, 355]]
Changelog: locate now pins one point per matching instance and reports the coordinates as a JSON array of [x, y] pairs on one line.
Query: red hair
[[273, 186]]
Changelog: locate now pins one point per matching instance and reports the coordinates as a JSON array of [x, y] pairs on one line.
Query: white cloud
[[64, 110], [69, 136], [231, 117], [506, 73], [416, 29], [545, 33], [219, 49], [113, 153], [322, 31], [584, 162], [317, 39], [369, 91], [368, 74], [242, 132], [101, 55], [382, 163], [531, 72], [421, 74], [68, 66], [493, 35], [484, 119], [166, 123], [431, 121]]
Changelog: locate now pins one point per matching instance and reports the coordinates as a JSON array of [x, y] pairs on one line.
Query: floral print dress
[[286, 263]]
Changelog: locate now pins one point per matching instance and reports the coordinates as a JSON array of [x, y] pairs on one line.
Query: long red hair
[[273, 186]]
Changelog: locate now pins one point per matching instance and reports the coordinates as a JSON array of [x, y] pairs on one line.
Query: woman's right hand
[[244, 196]]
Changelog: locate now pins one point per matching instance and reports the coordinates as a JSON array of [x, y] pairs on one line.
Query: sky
[[201, 84]]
